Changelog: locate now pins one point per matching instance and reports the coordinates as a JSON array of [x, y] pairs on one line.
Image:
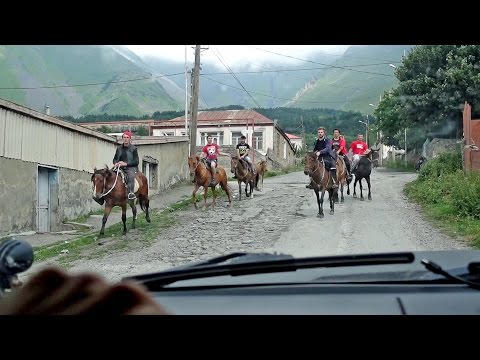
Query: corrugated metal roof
[[52, 120]]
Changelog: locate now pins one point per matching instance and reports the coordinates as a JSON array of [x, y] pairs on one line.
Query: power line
[[330, 66], [88, 84], [339, 55], [231, 72], [275, 97]]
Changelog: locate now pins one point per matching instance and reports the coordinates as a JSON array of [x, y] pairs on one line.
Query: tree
[[142, 131], [434, 83]]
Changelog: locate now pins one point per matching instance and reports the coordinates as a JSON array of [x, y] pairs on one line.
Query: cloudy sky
[[237, 54]]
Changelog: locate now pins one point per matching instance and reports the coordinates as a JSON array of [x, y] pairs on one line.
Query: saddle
[[123, 174]]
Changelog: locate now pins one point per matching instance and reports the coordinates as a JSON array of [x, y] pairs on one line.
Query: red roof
[[231, 117], [291, 136]]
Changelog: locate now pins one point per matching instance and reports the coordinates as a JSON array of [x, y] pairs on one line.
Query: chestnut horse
[[342, 178], [109, 187], [202, 178], [261, 170], [320, 180]]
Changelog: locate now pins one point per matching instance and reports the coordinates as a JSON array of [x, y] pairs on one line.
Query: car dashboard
[[323, 299]]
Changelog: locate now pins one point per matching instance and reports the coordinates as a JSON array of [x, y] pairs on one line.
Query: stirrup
[[131, 196]]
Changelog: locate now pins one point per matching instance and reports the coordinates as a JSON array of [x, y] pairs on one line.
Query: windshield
[[302, 150]]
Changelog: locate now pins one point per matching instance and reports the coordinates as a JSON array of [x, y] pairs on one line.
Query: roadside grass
[[88, 246], [449, 197]]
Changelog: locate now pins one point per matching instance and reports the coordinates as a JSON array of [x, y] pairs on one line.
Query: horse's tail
[[142, 203]]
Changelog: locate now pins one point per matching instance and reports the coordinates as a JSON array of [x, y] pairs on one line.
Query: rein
[[115, 183]]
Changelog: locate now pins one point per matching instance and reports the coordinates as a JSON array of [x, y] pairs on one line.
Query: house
[[297, 141], [119, 126], [226, 127], [47, 165]]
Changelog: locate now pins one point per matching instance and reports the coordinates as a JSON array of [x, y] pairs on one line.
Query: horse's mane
[[103, 171]]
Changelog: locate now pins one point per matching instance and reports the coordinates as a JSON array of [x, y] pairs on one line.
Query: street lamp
[[366, 129]]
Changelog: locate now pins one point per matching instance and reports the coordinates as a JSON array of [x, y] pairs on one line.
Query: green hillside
[[53, 66], [359, 77]]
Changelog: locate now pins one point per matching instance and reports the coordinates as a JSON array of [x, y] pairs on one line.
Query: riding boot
[[131, 194], [333, 173], [213, 182], [310, 185]]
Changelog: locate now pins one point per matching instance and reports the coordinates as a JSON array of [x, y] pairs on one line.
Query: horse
[[109, 186], [321, 181], [363, 171], [342, 178], [240, 168], [202, 177], [261, 168]]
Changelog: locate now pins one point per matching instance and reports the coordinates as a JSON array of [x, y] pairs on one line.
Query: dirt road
[[282, 218]]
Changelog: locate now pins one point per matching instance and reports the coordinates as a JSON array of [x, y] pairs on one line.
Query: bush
[[445, 163]]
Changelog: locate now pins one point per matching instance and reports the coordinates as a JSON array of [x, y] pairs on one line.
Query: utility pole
[[304, 145], [193, 127]]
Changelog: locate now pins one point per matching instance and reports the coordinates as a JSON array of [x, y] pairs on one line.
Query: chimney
[[47, 109]]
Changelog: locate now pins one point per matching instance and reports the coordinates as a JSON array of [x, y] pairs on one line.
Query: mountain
[[49, 71], [266, 84], [355, 80], [77, 80]]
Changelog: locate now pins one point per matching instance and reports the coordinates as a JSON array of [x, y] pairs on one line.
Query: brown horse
[[202, 178], [109, 187], [321, 181], [261, 170], [244, 174], [342, 178]]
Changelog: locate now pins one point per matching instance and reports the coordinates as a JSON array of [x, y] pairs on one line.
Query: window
[[217, 137], [150, 170], [258, 140], [236, 137]]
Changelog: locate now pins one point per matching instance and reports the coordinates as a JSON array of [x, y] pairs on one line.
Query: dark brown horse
[[363, 171], [202, 178], [261, 170], [244, 174], [109, 187], [320, 180]]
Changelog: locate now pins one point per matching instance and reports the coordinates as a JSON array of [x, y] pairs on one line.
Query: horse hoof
[[331, 212], [148, 220], [369, 198], [362, 199], [354, 195], [320, 216]]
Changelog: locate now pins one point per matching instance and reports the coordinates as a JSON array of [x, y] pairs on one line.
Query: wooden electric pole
[[193, 127]]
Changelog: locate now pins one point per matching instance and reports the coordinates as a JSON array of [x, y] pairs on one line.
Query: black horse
[[363, 171]]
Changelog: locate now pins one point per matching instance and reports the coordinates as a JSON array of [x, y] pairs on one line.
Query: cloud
[[234, 55]]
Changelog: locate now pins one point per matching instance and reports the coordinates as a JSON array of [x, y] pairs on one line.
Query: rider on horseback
[[126, 157], [340, 146], [323, 149], [242, 152], [211, 152], [359, 148]]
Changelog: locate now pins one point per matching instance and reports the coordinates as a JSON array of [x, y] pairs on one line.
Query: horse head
[[311, 163], [233, 163], [193, 162], [99, 180]]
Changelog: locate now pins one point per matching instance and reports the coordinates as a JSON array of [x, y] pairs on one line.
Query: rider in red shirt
[[358, 148], [211, 152], [339, 144]]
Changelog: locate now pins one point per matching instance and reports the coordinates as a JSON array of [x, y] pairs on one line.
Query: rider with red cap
[[126, 157]]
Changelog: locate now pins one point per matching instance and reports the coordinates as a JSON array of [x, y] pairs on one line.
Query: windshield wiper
[[258, 263], [437, 269]]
